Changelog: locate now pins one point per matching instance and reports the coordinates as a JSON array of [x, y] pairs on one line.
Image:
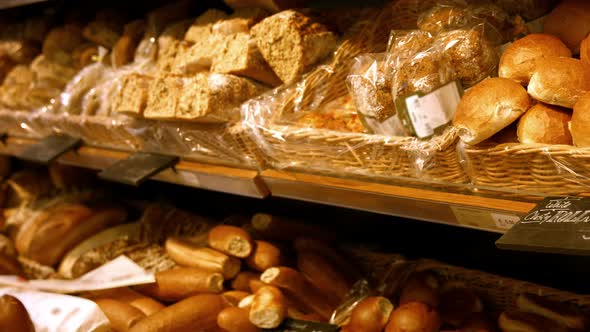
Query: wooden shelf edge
[[244, 182], [484, 213]]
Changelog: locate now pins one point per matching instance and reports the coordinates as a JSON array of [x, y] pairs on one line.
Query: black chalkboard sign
[[137, 168], [49, 148], [294, 325], [557, 225]]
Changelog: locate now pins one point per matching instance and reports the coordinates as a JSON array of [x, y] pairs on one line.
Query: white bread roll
[[570, 21], [489, 107], [121, 315], [269, 308], [231, 240], [559, 81], [545, 124], [371, 314], [580, 121], [14, 316], [518, 60], [235, 320]]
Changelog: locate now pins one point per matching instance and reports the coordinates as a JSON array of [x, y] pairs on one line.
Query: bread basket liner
[[498, 293], [537, 169], [340, 153]]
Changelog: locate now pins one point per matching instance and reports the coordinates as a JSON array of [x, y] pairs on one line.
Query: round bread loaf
[[570, 21], [489, 107], [518, 60], [580, 121], [559, 81], [545, 124]]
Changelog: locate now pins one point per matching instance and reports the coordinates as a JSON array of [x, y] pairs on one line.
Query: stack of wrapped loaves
[[540, 84]]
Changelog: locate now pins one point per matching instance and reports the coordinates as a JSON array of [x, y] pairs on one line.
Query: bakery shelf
[[188, 173], [456, 209], [459, 208], [4, 4]]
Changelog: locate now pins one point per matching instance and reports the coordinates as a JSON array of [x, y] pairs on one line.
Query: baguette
[[197, 313], [231, 240], [235, 320], [186, 253], [323, 248], [234, 297], [246, 302], [264, 256], [14, 316], [557, 312], [371, 314], [269, 308], [323, 274], [297, 287], [255, 285], [242, 280], [145, 304], [121, 315], [177, 284]]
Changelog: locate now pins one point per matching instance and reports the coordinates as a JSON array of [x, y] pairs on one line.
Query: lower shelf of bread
[[426, 202]]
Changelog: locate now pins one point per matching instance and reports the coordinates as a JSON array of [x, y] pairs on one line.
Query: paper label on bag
[[119, 272], [434, 110], [58, 313]]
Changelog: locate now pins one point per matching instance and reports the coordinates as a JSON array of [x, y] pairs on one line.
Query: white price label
[[433, 110], [505, 221]]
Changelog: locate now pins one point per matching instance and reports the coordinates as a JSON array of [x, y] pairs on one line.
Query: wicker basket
[[340, 153], [498, 293], [211, 143], [530, 168]]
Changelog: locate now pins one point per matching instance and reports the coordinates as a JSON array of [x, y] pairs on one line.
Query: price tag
[[294, 325], [505, 221], [137, 168], [559, 225], [51, 147]]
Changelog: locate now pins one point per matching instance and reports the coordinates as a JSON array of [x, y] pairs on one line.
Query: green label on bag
[[424, 115]]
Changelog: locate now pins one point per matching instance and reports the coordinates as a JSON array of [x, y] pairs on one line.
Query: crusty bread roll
[[181, 283], [145, 304], [234, 297], [545, 124], [293, 282], [323, 274], [47, 241], [264, 256], [570, 21], [489, 107], [121, 315], [246, 302], [235, 320], [421, 287], [518, 321], [255, 285], [186, 253], [558, 312], [580, 121], [518, 60], [371, 314], [268, 308], [231, 240], [457, 304], [327, 250], [14, 316], [242, 281], [559, 81], [414, 317], [197, 313]]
